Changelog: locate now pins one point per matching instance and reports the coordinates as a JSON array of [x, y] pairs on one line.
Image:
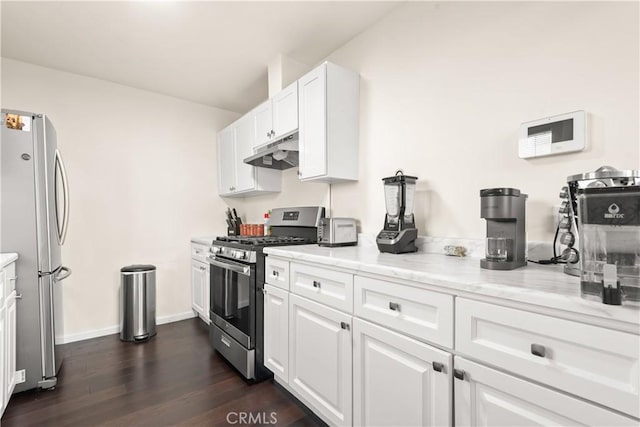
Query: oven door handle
[[233, 266]]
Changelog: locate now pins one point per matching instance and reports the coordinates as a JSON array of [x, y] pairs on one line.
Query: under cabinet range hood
[[281, 154]]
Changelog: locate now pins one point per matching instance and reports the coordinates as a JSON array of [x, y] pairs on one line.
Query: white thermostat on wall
[[553, 135]]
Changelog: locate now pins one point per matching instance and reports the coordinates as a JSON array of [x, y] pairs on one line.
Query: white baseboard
[[175, 317], [95, 333]]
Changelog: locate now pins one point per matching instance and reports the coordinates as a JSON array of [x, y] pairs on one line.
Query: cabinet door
[[276, 331], [3, 359], [262, 123], [206, 293], [485, 397], [320, 352], [285, 110], [312, 116], [10, 345], [197, 294], [245, 174], [226, 161], [399, 381]]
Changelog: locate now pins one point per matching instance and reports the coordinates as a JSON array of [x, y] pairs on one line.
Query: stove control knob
[[239, 255], [215, 249]]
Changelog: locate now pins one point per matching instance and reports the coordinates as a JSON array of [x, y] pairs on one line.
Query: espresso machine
[[608, 222], [506, 244], [400, 233]]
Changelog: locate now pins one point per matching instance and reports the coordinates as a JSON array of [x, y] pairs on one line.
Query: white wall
[[444, 88], [143, 181]]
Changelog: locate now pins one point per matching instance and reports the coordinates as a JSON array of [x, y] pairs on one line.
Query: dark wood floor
[[174, 379]]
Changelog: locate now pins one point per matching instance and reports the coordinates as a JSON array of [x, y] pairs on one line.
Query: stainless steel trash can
[[137, 302]]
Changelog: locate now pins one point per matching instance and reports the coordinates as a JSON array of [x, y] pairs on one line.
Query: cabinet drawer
[[592, 362], [420, 313], [330, 287], [276, 272], [199, 252]]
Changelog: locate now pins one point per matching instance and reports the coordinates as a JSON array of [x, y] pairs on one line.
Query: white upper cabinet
[[328, 114], [226, 160], [285, 110], [276, 117], [236, 178], [262, 117], [245, 174]]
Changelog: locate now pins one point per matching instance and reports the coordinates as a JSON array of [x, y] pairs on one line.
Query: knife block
[[233, 231]]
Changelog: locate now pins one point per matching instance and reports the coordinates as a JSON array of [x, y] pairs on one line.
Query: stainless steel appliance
[[34, 222], [281, 154], [236, 284], [506, 245], [569, 232], [337, 232], [400, 233]]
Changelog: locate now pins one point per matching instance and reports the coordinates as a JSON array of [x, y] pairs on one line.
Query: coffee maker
[[400, 233], [506, 244]]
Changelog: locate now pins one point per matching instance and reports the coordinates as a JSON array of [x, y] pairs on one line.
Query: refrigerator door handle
[[63, 273], [62, 233]]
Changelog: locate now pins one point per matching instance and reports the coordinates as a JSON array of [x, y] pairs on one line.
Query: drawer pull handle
[[316, 284], [225, 342], [459, 374], [538, 350], [344, 325], [275, 273], [437, 366], [394, 306]]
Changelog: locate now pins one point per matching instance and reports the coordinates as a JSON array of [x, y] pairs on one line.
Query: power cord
[[556, 259]]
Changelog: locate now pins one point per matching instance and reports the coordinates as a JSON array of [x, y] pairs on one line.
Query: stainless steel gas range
[[237, 281]]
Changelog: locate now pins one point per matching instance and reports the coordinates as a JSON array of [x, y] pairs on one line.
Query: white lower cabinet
[[276, 327], [320, 352], [486, 397], [4, 350], [200, 289], [10, 343], [398, 381], [7, 334], [381, 367]]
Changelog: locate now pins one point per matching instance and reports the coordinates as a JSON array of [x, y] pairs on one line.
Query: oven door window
[[230, 297]]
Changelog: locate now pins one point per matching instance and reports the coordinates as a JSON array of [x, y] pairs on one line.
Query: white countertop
[[535, 285], [204, 240], [8, 258]]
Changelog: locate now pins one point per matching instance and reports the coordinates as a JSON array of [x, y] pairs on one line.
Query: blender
[[400, 233]]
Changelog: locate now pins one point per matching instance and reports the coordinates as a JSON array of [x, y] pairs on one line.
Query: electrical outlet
[[21, 376]]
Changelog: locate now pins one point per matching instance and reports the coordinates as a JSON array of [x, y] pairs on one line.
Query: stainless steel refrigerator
[[33, 222]]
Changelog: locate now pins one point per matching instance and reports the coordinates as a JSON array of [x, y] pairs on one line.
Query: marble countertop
[[7, 258], [204, 240], [535, 285]]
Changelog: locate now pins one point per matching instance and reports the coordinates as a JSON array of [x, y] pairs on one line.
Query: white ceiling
[[214, 53]]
